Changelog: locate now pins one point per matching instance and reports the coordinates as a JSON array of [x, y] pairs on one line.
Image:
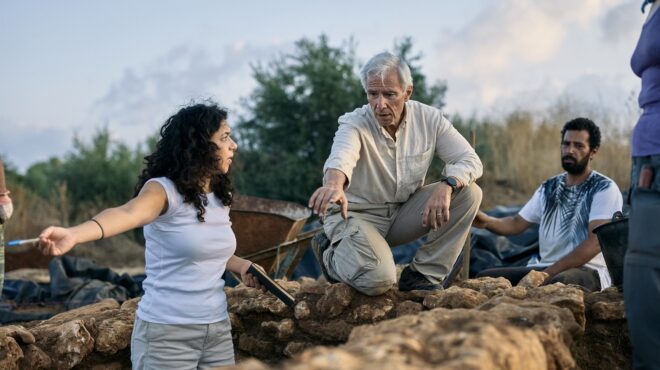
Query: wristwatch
[[452, 183]]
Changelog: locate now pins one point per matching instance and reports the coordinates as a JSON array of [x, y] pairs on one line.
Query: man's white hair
[[382, 63]]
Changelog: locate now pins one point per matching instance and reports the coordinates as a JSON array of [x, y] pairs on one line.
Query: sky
[[69, 68]]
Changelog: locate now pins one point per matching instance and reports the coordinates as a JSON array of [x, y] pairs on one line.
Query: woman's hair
[[186, 155]]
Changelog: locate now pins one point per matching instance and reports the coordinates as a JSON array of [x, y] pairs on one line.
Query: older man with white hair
[[373, 195]]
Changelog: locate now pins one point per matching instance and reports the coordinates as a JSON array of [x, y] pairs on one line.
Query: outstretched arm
[[582, 254], [144, 208], [512, 225]]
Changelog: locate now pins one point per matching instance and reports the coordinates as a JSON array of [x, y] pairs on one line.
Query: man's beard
[[574, 167]]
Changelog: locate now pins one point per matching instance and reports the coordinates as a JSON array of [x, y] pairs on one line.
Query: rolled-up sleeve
[[345, 151], [461, 161]]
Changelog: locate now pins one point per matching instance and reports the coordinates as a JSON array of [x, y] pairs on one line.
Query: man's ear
[[593, 153], [409, 92]]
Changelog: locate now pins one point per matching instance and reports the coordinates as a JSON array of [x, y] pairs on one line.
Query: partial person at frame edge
[[641, 273]]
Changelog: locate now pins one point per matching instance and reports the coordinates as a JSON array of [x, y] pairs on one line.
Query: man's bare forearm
[[513, 225], [335, 178], [582, 254]]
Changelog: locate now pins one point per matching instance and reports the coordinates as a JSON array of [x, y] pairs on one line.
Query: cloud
[[520, 51], [621, 23], [516, 30], [28, 144], [142, 98]]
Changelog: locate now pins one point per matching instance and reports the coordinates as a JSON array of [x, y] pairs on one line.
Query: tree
[[94, 176], [293, 113]]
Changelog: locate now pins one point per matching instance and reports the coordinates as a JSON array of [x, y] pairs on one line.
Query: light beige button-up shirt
[[381, 170]]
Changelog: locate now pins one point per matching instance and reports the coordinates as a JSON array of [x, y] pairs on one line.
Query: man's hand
[[326, 195], [481, 220], [552, 271], [332, 191], [436, 211]]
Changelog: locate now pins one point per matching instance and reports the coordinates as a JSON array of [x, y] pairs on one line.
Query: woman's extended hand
[[56, 241]]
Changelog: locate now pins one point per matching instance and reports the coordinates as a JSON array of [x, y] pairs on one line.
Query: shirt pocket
[[414, 167]]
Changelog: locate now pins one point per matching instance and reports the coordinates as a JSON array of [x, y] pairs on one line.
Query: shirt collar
[[645, 3]]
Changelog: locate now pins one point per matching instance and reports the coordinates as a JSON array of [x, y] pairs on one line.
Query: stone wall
[[477, 324]]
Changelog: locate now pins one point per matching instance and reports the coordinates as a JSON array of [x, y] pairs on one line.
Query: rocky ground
[[476, 324]]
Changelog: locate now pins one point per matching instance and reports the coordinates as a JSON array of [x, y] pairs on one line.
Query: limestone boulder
[[35, 358], [67, 344], [454, 297], [333, 331], [10, 352], [533, 279], [335, 299], [408, 308], [489, 286], [281, 330], [606, 305], [558, 294], [368, 313]]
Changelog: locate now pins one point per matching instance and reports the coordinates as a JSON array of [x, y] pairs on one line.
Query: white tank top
[[185, 260]]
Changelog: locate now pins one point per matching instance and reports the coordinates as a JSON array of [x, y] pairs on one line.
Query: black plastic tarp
[[74, 282]]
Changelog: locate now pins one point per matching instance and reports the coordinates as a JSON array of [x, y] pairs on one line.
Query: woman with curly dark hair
[[182, 199]]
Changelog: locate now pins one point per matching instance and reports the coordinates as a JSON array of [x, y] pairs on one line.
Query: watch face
[[451, 182]]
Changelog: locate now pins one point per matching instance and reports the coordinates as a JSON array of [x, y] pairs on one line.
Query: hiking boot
[[413, 280], [320, 243]]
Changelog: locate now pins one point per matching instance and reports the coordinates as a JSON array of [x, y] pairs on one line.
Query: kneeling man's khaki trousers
[[360, 255]]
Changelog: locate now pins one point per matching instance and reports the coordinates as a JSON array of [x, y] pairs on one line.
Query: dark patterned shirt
[[564, 213]]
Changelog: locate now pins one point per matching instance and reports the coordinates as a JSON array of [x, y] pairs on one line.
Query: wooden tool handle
[[3, 186]]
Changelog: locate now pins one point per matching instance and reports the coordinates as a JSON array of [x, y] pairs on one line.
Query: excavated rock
[[336, 298], [10, 353], [255, 346], [408, 308], [302, 311], [606, 305], [489, 286], [68, 343], [558, 294], [517, 292], [533, 279], [35, 359], [506, 335], [606, 333], [80, 337], [282, 330], [367, 313], [479, 324], [328, 332], [455, 297]]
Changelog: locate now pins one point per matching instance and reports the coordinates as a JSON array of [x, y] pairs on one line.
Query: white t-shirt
[[563, 214], [185, 260]]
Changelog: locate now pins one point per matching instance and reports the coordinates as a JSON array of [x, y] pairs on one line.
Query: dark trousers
[[583, 276], [641, 273]]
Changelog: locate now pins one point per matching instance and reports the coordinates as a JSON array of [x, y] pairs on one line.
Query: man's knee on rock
[[377, 281], [374, 290]]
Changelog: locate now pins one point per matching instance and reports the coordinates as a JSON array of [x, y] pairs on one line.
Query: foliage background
[[285, 136]]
